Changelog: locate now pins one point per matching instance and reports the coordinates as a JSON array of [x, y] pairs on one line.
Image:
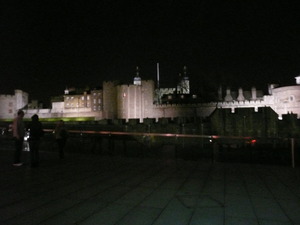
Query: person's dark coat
[[35, 129]]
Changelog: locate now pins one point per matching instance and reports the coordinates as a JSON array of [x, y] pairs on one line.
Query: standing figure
[[35, 133], [61, 135], [18, 129]]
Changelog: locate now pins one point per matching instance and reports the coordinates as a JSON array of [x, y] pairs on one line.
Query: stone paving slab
[[96, 189]]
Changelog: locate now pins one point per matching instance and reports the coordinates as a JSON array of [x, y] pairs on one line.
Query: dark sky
[[48, 45]]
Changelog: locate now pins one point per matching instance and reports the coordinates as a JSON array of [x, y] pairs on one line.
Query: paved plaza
[[114, 190]]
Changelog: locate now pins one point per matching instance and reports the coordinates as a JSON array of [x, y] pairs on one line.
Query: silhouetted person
[[35, 133], [18, 129], [61, 136]]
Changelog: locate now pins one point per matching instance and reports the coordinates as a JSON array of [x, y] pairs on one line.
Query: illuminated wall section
[[129, 101], [122, 102], [97, 100], [8, 106], [21, 99], [136, 101], [148, 89], [77, 101]]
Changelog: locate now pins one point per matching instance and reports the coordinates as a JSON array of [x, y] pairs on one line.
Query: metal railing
[[214, 143], [215, 140]]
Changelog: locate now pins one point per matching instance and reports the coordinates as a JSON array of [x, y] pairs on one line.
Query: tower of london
[[144, 99]]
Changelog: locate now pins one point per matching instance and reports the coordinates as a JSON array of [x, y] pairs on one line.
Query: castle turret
[[110, 99], [297, 79], [183, 86], [137, 80]]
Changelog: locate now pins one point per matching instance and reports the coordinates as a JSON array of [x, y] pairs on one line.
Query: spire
[[137, 71], [184, 83], [157, 70], [185, 71]]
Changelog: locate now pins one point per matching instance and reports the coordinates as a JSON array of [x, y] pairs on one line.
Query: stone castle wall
[[137, 102]]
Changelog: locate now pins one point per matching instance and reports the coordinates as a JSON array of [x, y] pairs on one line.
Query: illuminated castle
[[145, 99]]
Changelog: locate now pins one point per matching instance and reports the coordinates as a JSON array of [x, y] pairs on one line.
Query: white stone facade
[[135, 101]]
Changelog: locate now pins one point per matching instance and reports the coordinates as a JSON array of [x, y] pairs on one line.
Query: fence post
[[293, 152], [215, 151]]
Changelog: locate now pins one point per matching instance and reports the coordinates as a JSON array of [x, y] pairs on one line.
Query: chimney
[[241, 95], [271, 87], [220, 93], [228, 97]]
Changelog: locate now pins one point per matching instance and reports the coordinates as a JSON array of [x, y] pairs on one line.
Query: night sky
[[49, 45]]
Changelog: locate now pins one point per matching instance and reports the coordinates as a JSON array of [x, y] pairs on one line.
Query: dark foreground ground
[[102, 189]]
